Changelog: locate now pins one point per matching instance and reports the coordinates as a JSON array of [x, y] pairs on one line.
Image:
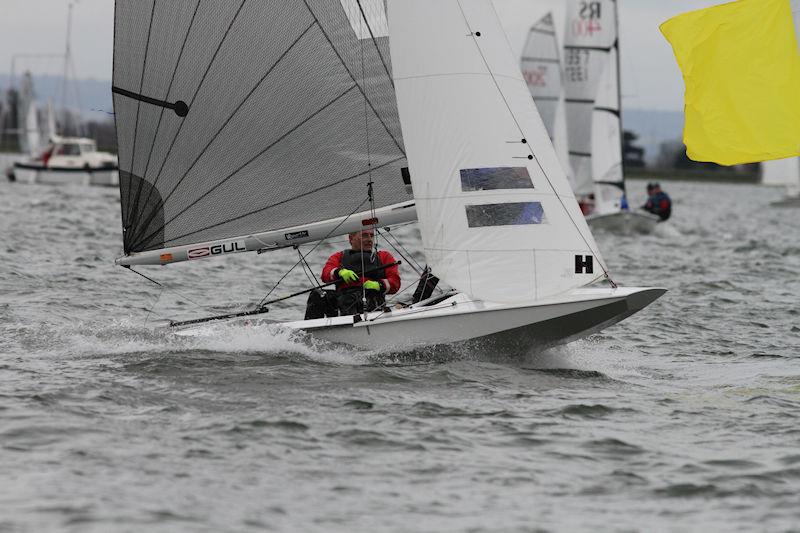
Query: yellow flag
[[741, 66]]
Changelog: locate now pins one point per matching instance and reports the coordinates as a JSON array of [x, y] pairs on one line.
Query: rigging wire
[[307, 270], [408, 258], [532, 156], [167, 289], [370, 189], [303, 256]]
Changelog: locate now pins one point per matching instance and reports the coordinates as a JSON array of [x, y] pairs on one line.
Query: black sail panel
[[291, 110]]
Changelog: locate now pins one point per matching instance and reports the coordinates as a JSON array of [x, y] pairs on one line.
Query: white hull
[[624, 222], [54, 176], [788, 201], [458, 322]]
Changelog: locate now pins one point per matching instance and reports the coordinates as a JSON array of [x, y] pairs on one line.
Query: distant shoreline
[[707, 176]]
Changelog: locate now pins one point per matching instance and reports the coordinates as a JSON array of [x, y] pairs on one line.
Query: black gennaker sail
[[250, 124]]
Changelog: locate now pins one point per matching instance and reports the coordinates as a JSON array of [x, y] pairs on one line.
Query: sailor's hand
[[372, 285], [348, 276]]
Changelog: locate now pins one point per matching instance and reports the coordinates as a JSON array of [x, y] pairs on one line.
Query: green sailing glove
[[348, 276], [372, 285]]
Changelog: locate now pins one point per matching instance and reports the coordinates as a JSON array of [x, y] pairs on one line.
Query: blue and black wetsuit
[[659, 204]]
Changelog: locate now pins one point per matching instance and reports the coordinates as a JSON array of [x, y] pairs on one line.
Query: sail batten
[[166, 93], [292, 199], [291, 113]]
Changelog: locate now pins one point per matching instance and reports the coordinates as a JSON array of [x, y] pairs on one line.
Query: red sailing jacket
[[391, 284]]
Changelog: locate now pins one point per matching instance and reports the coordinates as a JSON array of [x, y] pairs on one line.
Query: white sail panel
[[498, 218], [590, 35]]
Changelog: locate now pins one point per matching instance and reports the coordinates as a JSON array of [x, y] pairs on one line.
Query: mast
[[66, 58], [619, 101]]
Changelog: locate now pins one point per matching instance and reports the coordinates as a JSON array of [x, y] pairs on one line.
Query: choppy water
[[682, 418]]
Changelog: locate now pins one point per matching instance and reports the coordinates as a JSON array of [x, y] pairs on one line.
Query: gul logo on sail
[[217, 249]]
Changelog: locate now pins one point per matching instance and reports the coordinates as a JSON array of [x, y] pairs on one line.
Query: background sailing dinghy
[[321, 108], [783, 173], [593, 106]]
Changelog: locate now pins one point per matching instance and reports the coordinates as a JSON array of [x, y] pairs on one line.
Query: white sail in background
[[782, 173], [33, 137], [785, 172], [541, 68], [592, 98], [607, 140], [27, 121], [498, 218], [50, 131]]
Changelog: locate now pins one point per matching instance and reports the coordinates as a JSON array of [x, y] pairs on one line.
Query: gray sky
[[650, 77]]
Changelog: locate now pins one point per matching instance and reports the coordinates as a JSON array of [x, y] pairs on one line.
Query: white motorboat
[[405, 110], [69, 160]]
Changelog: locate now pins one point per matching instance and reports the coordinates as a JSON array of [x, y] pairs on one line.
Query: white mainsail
[[593, 101], [498, 218]]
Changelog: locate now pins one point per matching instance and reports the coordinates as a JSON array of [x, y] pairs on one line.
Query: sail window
[[375, 13], [513, 214], [491, 179]]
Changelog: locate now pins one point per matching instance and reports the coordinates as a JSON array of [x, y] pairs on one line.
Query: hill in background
[[652, 127]]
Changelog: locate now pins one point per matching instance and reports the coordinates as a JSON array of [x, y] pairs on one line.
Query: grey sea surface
[[682, 418]]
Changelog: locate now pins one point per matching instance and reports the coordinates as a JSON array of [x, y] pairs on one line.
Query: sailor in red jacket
[[348, 267]]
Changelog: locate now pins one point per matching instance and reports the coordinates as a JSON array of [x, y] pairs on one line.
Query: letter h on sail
[[584, 264]]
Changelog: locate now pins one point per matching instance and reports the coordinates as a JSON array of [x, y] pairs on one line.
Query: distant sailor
[[658, 202], [358, 274]]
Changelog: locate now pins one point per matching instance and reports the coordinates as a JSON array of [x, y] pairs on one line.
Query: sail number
[[536, 77], [588, 21], [576, 65]]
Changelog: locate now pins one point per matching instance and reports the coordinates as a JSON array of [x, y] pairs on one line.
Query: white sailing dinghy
[[783, 173], [593, 104], [324, 121]]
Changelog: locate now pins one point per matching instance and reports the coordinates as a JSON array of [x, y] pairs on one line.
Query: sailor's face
[[362, 240]]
